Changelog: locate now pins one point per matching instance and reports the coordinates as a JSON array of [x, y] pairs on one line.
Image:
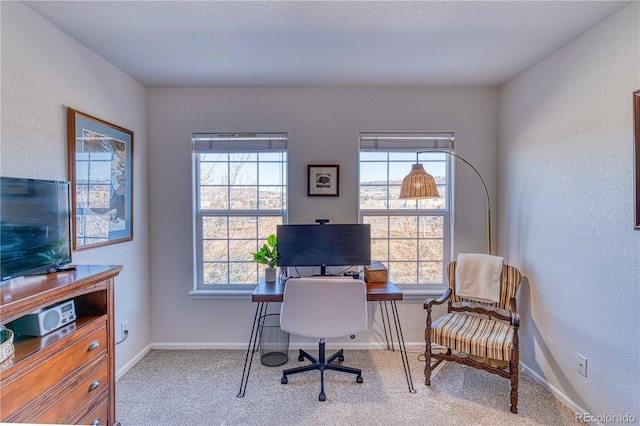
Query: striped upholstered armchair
[[480, 335]]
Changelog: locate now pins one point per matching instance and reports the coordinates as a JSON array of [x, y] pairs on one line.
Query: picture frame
[[100, 167], [323, 180], [636, 156]]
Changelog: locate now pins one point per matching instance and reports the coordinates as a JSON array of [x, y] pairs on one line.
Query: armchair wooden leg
[[514, 389], [513, 366], [427, 352], [427, 366]]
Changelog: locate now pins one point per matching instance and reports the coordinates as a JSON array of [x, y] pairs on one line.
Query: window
[[411, 237], [240, 197]]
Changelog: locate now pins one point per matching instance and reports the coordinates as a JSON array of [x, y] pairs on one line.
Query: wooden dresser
[[68, 375]]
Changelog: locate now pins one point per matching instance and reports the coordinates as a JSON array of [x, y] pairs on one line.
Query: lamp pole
[[486, 192]]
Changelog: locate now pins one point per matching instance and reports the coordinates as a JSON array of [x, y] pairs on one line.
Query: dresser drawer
[[96, 416], [34, 384], [89, 387]]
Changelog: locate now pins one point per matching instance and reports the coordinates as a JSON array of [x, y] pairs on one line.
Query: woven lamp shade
[[418, 184]]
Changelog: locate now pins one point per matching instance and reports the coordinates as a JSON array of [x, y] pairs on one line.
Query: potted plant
[[268, 255]]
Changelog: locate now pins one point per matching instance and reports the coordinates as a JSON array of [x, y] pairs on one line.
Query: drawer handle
[[94, 385], [95, 422], [93, 346]]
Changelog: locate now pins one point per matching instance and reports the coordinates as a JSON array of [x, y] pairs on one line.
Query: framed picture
[[636, 155], [101, 175], [323, 180]]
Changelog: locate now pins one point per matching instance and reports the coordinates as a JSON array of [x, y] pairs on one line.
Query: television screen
[[35, 226], [324, 245]]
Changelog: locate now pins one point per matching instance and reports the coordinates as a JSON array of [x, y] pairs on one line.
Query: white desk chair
[[323, 308]]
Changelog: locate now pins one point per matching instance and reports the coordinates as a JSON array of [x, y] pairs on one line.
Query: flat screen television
[[324, 245], [35, 226]]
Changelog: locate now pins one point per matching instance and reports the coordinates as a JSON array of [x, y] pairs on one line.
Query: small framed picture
[[323, 180]]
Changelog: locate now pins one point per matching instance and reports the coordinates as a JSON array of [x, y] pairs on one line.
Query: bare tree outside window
[[410, 237], [240, 202]]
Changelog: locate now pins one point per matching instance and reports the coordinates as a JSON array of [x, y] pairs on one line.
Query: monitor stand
[[323, 271]]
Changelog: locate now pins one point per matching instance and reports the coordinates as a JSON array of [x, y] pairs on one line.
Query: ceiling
[[324, 43]]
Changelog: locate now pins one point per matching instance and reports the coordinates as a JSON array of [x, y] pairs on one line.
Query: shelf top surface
[[26, 291]]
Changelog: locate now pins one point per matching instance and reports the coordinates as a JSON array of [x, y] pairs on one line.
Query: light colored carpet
[[199, 387]]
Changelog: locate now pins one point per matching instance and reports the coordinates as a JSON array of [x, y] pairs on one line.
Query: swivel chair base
[[321, 364]]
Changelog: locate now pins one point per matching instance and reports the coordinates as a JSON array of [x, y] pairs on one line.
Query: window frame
[[418, 143], [235, 143]]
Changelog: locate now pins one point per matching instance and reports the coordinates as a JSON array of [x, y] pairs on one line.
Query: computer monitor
[[324, 245]]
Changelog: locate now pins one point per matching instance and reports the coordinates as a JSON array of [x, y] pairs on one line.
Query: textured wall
[[322, 126], [566, 213], [43, 72]]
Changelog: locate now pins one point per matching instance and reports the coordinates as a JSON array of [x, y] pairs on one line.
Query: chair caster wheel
[[300, 358], [359, 379], [322, 397], [284, 380], [341, 358]]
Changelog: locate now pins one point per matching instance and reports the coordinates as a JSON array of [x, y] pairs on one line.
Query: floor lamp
[[419, 184]]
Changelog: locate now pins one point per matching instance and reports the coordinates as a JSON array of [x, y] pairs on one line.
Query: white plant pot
[[270, 274]]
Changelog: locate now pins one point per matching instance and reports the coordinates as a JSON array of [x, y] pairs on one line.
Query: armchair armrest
[[515, 318], [439, 301]]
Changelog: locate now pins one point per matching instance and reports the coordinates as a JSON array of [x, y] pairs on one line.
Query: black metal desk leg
[[261, 309], [384, 324], [403, 348]]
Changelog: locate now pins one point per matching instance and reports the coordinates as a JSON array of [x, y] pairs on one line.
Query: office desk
[[382, 293]]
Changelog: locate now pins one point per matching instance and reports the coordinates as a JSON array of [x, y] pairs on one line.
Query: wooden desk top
[[272, 292]]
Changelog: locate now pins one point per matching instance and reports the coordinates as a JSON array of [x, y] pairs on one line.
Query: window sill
[[414, 294], [421, 294], [221, 294]]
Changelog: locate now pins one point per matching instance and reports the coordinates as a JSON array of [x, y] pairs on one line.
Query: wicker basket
[[6, 347], [375, 273]]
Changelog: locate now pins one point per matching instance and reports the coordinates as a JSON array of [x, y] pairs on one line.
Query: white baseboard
[[559, 395], [133, 362], [196, 346]]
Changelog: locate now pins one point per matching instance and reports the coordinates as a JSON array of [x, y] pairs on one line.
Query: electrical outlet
[[582, 365], [124, 328]]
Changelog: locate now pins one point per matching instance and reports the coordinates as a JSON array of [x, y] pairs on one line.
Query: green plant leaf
[[268, 254]]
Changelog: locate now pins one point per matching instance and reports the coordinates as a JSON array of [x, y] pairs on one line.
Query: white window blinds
[[238, 142], [405, 141]]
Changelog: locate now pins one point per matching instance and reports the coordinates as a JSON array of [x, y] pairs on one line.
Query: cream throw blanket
[[478, 277]]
